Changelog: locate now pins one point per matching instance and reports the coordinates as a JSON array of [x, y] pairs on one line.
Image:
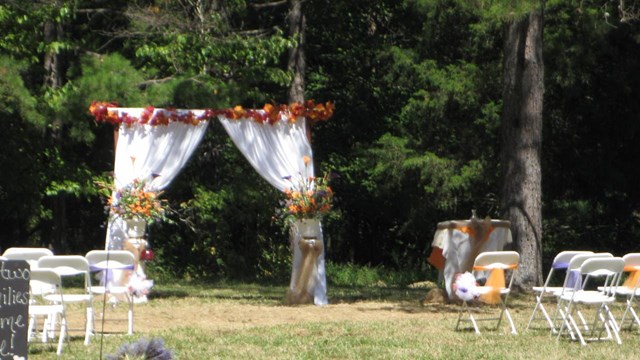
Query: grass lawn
[[248, 321]]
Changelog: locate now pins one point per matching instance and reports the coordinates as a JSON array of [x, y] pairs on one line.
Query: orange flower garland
[[270, 114]]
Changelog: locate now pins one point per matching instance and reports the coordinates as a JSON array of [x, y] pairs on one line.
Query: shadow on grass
[[224, 291], [276, 294]]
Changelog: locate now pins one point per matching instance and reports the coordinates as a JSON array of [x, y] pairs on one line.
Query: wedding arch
[[155, 143]]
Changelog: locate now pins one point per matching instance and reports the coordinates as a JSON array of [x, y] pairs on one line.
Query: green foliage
[[221, 48], [414, 139], [109, 78], [431, 113], [15, 97], [22, 22], [22, 159], [352, 275], [225, 226], [590, 130]]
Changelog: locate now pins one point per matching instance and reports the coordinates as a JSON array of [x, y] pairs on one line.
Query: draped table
[[456, 243]]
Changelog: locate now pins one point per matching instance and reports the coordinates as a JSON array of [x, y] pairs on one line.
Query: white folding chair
[[629, 289], [501, 267], [52, 314], [72, 266], [110, 262], [548, 290], [572, 282], [603, 273], [29, 254]]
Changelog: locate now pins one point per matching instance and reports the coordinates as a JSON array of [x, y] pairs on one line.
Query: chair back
[[561, 261], [29, 254], [610, 269], [573, 278], [110, 259], [44, 279], [631, 260], [602, 266], [577, 261], [65, 265], [497, 260]]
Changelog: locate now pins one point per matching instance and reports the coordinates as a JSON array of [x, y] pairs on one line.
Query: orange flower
[[134, 200], [311, 197], [237, 112], [273, 114]]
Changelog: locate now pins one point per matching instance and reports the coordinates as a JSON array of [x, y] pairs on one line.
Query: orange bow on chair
[[495, 281], [634, 276]]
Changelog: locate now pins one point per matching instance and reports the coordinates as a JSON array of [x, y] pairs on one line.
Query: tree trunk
[[296, 63], [53, 79], [521, 142]]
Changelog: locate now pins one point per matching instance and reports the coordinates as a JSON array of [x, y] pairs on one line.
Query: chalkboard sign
[[14, 309]]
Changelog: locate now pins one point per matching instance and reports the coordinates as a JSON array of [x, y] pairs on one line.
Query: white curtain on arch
[[156, 153], [276, 152]]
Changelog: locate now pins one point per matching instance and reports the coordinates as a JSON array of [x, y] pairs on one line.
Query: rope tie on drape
[[496, 281]]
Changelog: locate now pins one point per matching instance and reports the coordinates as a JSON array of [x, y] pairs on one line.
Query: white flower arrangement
[[465, 287]]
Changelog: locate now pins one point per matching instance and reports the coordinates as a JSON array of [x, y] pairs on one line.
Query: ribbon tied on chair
[[633, 277], [495, 281]]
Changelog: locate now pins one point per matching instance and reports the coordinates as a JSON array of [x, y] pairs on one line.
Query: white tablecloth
[[459, 248]]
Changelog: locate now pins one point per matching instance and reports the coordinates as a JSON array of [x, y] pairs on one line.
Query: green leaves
[[15, 98]]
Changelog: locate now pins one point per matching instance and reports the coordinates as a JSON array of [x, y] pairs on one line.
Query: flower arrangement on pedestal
[[309, 197], [135, 202]]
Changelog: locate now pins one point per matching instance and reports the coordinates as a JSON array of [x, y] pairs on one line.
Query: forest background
[[415, 138]]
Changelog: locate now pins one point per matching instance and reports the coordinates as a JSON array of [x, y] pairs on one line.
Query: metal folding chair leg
[[465, 308]]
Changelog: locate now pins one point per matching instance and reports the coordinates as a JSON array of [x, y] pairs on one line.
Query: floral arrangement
[[135, 201], [309, 197], [270, 114], [139, 285], [465, 286]]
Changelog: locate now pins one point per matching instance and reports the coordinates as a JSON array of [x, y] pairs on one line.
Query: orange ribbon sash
[[634, 276], [496, 281]]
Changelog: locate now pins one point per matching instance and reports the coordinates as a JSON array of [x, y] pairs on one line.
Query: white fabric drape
[[159, 152], [276, 151], [156, 153], [145, 150]]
